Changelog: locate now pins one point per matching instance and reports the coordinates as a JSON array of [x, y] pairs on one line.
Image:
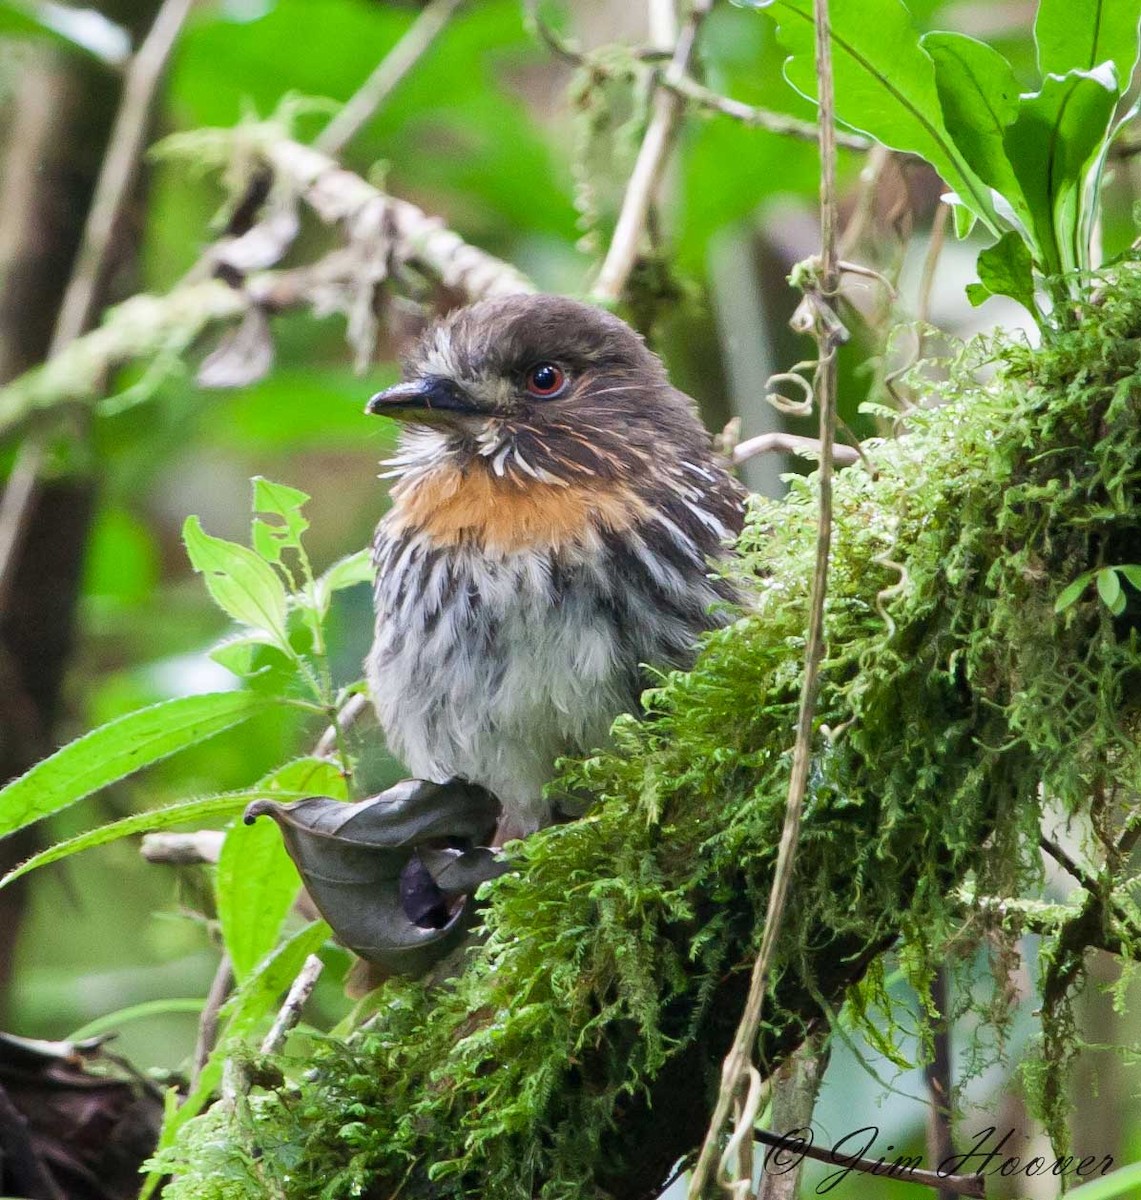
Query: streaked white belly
[[491, 670]]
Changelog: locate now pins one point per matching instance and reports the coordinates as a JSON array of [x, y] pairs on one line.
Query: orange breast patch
[[503, 515]]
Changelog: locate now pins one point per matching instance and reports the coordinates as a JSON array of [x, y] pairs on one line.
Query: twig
[[236, 1077], [689, 89], [1064, 859], [290, 1012], [739, 1149], [351, 712], [937, 1075], [1097, 895], [117, 173], [265, 243], [960, 1185], [791, 443], [389, 72], [338, 196], [16, 508], [661, 18], [930, 262], [757, 118], [870, 176], [649, 166], [137, 328], [116, 177], [828, 331], [208, 1022], [183, 849]]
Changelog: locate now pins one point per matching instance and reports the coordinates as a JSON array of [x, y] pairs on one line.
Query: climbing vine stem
[[818, 280]]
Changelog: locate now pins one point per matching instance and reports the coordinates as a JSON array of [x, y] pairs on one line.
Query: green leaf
[[88, 31], [255, 885], [1132, 574], [1072, 591], [344, 573], [208, 809], [1052, 146], [979, 97], [309, 776], [256, 881], [258, 995], [1109, 1187], [245, 656], [885, 84], [122, 560], [1109, 589], [963, 217], [251, 1003], [20, 20], [243, 585], [118, 749], [1005, 269], [1082, 34], [280, 500], [112, 1022]]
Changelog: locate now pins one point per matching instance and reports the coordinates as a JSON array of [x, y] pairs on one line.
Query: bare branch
[[930, 264], [208, 1023], [395, 65], [146, 325], [791, 443], [758, 118], [938, 1076], [183, 849], [138, 328], [118, 170], [696, 93], [350, 713], [295, 1001], [1066, 860], [340, 197], [268, 240], [795, 1087], [649, 166], [870, 174]]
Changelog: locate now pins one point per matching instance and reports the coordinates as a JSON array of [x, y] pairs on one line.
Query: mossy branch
[[577, 1053]]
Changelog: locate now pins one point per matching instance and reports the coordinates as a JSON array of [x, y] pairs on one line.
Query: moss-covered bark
[[578, 1052]]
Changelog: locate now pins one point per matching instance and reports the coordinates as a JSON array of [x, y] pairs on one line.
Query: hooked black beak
[[422, 395]]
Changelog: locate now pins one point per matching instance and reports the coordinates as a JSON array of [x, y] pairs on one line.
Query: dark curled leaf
[[393, 875]]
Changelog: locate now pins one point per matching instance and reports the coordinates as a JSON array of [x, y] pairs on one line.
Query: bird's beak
[[418, 397]]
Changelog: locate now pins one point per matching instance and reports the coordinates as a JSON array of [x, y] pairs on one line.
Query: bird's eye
[[545, 380]]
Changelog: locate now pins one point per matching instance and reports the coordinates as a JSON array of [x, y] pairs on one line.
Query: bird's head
[[542, 385]]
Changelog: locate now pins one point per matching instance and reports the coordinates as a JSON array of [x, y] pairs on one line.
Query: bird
[[557, 530]]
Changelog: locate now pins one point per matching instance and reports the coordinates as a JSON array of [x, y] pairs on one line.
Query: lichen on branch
[[148, 326], [577, 1053]]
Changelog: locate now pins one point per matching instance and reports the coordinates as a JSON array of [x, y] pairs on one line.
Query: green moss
[[576, 1053]]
